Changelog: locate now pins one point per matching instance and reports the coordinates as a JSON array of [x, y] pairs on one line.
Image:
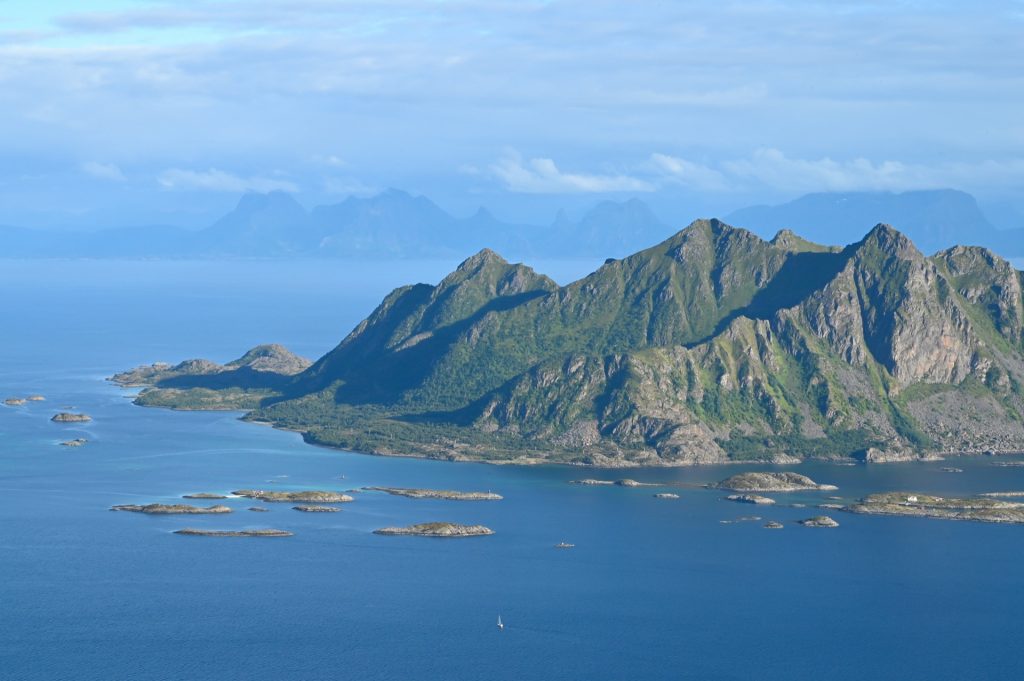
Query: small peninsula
[[170, 509], [437, 530], [69, 417], [770, 482], [452, 495], [191, 531], [310, 496]]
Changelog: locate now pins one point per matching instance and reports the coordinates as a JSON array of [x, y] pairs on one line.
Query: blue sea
[[654, 589]]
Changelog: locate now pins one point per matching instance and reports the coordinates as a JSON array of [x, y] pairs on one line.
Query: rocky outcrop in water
[[68, 417], [171, 509], [770, 482], [750, 499], [819, 521], [311, 496], [414, 493], [437, 530], [982, 509], [77, 442], [316, 509], [191, 531]]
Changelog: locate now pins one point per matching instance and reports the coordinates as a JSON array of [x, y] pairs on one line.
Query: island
[[666, 495], [203, 495], [170, 509], [444, 530], [624, 482], [564, 545], [77, 442], [769, 482], [819, 521], [714, 346], [414, 493], [750, 499], [259, 509], [310, 496], [773, 525], [981, 509], [35, 398], [68, 417], [316, 509], [191, 531], [14, 401]]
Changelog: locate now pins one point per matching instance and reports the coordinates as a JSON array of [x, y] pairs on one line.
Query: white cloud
[[689, 174], [102, 171], [542, 176], [219, 181]]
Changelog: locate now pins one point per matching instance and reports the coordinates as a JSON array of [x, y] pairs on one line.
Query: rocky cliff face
[[714, 345]]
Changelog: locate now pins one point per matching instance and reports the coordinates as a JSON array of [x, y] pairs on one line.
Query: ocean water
[[654, 589]]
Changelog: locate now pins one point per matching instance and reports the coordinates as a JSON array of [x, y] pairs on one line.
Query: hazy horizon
[[129, 112]]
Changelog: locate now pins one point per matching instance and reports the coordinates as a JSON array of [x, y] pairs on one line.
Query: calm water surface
[[654, 589]]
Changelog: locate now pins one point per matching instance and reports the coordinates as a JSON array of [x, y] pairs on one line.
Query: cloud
[[220, 181], [102, 171], [542, 176], [689, 174]]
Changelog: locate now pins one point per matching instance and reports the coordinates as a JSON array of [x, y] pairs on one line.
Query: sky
[[148, 112]]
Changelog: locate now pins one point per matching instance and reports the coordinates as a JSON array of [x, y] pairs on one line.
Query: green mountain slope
[[714, 345]]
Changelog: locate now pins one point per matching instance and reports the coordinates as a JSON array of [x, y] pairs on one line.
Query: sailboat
[[500, 625]]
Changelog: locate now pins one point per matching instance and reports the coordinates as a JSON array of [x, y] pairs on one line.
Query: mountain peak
[[482, 258], [891, 241]]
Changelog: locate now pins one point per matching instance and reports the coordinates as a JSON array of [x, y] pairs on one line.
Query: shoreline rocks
[[769, 482], [444, 530], [170, 509], [191, 531], [68, 417], [414, 493]]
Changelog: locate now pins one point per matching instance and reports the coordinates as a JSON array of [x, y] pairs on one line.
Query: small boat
[[564, 545], [500, 625]]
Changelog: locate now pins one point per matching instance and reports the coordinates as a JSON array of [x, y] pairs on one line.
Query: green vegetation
[[713, 345]]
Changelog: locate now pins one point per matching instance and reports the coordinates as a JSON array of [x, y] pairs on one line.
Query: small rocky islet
[[980, 508], [203, 495], [316, 509], [416, 493], [750, 499], [77, 442], [299, 496], [624, 482], [71, 417], [666, 495], [14, 401], [819, 521], [267, 532], [769, 482], [170, 509], [437, 529]]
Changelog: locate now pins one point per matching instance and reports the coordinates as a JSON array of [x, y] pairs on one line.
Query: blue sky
[[135, 111]]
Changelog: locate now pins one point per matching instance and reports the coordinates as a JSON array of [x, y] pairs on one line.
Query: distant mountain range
[[712, 346], [395, 224], [934, 220]]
